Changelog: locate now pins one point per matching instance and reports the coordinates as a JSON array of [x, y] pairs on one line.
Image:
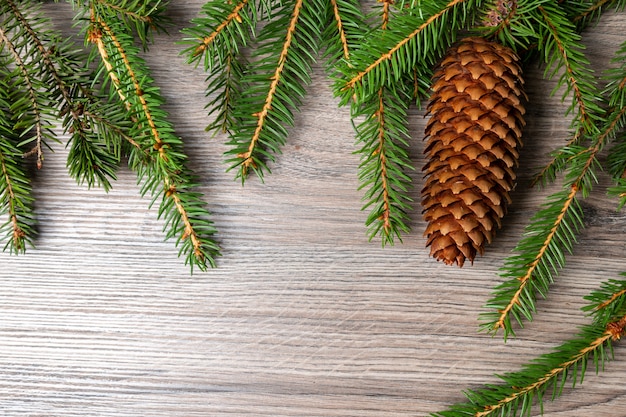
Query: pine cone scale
[[473, 137]]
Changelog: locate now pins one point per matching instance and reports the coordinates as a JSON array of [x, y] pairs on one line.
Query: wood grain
[[303, 316]]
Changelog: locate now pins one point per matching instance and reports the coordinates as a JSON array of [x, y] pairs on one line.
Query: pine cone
[[475, 129]]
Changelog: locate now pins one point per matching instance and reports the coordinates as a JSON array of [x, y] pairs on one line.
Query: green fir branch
[[163, 172], [16, 201], [581, 84], [551, 233], [608, 301], [562, 49], [414, 43], [64, 83], [275, 83], [344, 31], [221, 30], [383, 137], [547, 375], [31, 97], [225, 87], [541, 253], [47, 82]]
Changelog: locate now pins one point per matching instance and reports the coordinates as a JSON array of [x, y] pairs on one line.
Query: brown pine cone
[[472, 139]]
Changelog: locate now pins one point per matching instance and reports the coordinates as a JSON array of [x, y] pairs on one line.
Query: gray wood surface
[[303, 316]]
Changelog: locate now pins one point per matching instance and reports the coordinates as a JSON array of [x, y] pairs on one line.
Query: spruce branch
[[15, 196], [36, 101], [16, 201], [336, 35], [383, 136], [541, 254], [547, 375], [222, 29], [562, 49], [163, 172], [64, 84], [345, 29], [275, 84], [414, 43], [551, 233]]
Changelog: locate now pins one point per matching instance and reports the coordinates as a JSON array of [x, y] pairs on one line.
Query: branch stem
[[233, 16], [340, 29]]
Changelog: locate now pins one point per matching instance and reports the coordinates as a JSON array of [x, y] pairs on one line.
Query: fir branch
[[93, 156], [222, 29], [608, 301], [342, 38], [562, 49], [225, 86], [16, 201], [551, 233], [47, 82], [516, 396], [275, 84], [344, 31], [568, 362], [540, 255], [383, 136], [34, 104], [185, 215], [384, 162], [35, 99], [415, 42]]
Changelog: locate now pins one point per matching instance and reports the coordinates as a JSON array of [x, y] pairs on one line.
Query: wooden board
[[303, 316]]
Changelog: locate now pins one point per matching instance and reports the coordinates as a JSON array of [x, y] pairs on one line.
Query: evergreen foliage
[[383, 136], [258, 55], [46, 79], [157, 153], [548, 375]]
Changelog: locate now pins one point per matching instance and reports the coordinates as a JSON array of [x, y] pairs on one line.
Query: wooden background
[[303, 316]]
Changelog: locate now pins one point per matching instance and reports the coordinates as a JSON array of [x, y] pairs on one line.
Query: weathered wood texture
[[304, 316]]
